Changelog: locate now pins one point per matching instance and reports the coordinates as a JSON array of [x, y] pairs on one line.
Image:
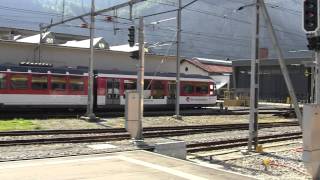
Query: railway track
[[123, 130], [232, 143], [187, 112], [121, 134]]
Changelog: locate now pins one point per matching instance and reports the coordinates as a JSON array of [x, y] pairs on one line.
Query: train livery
[[47, 87]]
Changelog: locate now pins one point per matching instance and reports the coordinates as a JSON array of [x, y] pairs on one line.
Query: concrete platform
[[137, 165]]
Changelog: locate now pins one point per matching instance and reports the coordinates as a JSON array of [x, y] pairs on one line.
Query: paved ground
[[120, 166]]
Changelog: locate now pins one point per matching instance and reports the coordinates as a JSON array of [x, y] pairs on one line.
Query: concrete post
[[311, 139], [254, 82], [178, 62], [90, 115], [140, 85]]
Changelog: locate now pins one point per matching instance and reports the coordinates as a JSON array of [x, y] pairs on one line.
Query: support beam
[[95, 13], [283, 66]]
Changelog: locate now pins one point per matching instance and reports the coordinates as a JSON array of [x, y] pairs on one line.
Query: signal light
[[310, 15], [131, 36]]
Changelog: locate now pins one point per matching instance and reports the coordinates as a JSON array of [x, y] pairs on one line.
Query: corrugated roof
[[211, 68]]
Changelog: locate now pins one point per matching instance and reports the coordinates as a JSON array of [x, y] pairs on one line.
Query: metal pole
[[140, 86], [90, 114], [178, 62], [39, 46], [312, 85], [316, 75], [254, 82], [63, 7], [281, 61]]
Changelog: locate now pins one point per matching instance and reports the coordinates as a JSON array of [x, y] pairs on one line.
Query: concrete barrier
[[176, 149]]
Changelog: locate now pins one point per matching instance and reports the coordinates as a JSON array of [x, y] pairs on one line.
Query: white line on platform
[[162, 168]]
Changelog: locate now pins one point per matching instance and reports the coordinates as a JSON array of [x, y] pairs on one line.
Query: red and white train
[[47, 87]]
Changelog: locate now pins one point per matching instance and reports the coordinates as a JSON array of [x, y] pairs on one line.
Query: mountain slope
[[211, 28]]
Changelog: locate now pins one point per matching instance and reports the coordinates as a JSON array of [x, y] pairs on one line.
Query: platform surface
[[137, 165]]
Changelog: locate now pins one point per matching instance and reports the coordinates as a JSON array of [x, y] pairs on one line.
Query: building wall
[[272, 86], [13, 52]]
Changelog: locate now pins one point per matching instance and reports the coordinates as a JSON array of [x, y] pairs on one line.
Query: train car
[[47, 87]]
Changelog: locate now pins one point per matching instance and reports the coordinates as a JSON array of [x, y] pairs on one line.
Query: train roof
[[63, 70], [158, 74], [36, 69]]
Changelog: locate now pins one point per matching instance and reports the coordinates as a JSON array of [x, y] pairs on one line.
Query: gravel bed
[[285, 164], [58, 150], [18, 152]]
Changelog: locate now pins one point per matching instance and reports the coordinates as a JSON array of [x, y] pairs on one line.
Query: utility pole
[[140, 86], [254, 82], [90, 114], [283, 66], [178, 116]]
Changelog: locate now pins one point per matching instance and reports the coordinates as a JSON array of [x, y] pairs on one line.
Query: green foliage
[[17, 124]]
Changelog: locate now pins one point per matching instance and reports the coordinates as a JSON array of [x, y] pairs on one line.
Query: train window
[[76, 84], [19, 81], [188, 89], [130, 84], [158, 90], [39, 82], [147, 89], [202, 88], [147, 85], [2, 81], [58, 83]]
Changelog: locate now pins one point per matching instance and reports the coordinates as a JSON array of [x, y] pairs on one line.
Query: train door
[[113, 91], [171, 92]]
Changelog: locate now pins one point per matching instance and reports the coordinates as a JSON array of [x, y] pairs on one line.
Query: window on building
[[58, 83], [158, 90], [187, 88], [39, 82], [19, 81], [76, 83], [3, 81], [202, 88]]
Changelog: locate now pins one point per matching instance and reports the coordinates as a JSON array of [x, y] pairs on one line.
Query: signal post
[[311, 124]]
